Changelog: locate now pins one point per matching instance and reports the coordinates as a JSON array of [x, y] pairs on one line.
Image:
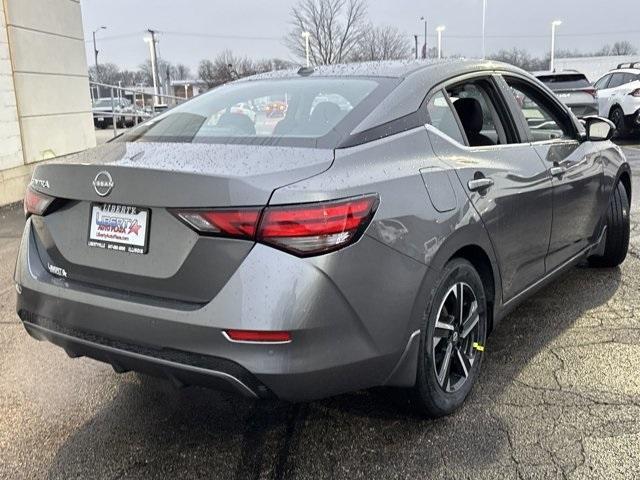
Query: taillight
[[303, 230], [36, 203], [314, 228], [226, 222], [635, 93], [591, 91]]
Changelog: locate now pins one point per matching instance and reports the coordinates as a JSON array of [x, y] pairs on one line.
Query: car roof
[[390, 68], [634, 71]]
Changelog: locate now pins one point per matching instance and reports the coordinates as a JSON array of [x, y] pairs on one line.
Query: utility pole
[[154, 63], [415, 38], [96, 51], [425, 52]]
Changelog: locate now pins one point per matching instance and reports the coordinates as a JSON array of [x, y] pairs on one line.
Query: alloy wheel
[[455, 337]]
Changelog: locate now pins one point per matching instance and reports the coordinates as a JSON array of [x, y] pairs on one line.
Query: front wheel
[[455, 329], [617, 117], [618, 231]]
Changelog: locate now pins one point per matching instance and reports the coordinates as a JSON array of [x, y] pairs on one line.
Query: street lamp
[[554, 25], [95, 50], [306, 36], [425, 52], [440, 29]]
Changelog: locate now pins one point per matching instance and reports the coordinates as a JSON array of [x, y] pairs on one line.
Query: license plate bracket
[[121, 228]]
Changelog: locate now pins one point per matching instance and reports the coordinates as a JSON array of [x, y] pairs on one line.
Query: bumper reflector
[[257, 336]]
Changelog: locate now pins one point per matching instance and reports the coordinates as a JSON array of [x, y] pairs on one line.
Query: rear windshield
[[297, 112], [561, 82]]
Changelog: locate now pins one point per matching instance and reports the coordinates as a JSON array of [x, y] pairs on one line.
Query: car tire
[[618, 231], [453, 332], [616, 115]]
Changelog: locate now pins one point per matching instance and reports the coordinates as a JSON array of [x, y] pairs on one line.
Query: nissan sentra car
[[373, 236]]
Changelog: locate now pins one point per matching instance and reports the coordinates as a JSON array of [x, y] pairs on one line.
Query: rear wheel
[[618, 230], [617, 117], [455, 330]]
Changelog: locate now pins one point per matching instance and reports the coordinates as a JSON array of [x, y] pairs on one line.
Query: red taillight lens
[[238, 223], [36, 203], [591, 91], [635, 93], [257, 336], [314, 228], [303, 230]]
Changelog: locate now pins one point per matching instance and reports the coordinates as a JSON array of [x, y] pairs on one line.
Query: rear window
[[562, 82], [285, 112]]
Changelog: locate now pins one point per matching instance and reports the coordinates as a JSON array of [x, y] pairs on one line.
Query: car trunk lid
[[179, 264]]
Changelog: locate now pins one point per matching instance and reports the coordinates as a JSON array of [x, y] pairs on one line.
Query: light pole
[[425, 52], [554, 25], [440, 29], [306, 36], [96, 51], [484, 24]]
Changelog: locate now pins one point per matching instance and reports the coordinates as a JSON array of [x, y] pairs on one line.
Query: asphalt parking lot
[[559, 397]]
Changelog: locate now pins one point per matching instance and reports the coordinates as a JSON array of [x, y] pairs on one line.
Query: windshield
[[261, 111], [560, 82]]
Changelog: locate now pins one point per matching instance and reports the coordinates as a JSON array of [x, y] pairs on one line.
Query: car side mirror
[[599, 129]]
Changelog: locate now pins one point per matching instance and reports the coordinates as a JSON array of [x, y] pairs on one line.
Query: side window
[[544, 119], [602, 83], [630, 77], [478, 113], [442, 117], [617, 79]]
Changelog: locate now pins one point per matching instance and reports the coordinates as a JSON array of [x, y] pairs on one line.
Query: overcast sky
[[191, 30]]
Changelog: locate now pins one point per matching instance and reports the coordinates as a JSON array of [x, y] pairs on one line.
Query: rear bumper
[[180, 368], [584, 110], [341, 342]]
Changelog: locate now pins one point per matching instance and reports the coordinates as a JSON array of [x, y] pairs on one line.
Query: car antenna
[[306, 71]]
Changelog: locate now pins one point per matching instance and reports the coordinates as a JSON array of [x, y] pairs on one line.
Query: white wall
[[50, 80], [594, 67], [10, 141]]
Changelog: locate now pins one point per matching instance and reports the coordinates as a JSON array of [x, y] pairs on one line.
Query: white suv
[[619, 97]]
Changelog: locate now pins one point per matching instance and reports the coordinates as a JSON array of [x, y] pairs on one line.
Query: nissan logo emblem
[[103, 183]]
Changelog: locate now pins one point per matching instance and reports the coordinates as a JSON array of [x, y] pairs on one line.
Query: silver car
[[373, 235]]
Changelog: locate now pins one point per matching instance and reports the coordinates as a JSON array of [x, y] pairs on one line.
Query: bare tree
[[335, 28], [182, 72], [623, 48], [227, 67], [381, 43], [521, 58]]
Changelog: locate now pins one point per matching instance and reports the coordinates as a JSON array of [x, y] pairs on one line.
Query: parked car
[[104, 110], [573, 89], [619, 97], [344, 250]]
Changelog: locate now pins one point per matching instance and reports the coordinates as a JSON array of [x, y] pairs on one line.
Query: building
[[45, 105], [594, 67]]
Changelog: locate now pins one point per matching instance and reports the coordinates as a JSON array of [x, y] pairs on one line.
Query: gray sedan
[[373, 235]]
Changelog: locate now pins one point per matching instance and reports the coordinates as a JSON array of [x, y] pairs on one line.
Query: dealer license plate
[[119, 227]]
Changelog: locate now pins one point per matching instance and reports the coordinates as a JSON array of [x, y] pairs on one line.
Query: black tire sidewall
[[435, 401]]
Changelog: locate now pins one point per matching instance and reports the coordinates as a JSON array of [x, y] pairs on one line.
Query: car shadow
[[150, 430]]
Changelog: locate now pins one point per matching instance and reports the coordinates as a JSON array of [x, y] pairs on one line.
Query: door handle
[[479, 184], [557, 171]]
